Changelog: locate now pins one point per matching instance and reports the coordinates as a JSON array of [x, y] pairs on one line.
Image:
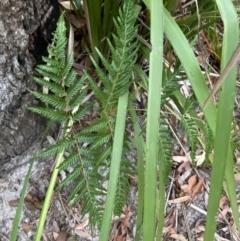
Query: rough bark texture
[[25, 29]]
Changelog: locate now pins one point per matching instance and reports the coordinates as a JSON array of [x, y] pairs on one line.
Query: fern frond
[[60, 146], [55, 115], [103, 139], [55, 101], [57, 48], [76, 87], [67, 68], [71, 176], [70, 78], [76, 101], [165, 151], [104, 155], [235, 138], [53, 77], [91, 160], [208, 136], [83, 138], [97, 126], [192, 134], [121, 194], [50, 69], [81, 112], [71, 160], [102, 76], [169, 85], [57, 89], [50, 62], [97, 91]]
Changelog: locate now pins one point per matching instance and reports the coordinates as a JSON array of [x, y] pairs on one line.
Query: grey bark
[[22, 33]]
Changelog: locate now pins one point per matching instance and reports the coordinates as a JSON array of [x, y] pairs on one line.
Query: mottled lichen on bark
[[19, 127]]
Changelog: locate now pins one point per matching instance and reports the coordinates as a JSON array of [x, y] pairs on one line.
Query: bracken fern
[[92, 155]]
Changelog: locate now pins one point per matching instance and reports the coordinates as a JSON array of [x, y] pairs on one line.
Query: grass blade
[[115, 165], [224, 116], [153, 114]]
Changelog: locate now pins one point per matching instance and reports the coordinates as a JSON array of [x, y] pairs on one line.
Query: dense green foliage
[[89, 152]]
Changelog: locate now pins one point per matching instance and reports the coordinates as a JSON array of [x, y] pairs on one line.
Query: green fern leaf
[[121, 194], [81, 112], [57, 89], [103, 139], [60, 146], [76, 101], [165, 151], [76, 87], [192, 134], [53, 100], [53, 77], [97, 126], [71, 160], [208, 136], [55, 115], [67, 68]]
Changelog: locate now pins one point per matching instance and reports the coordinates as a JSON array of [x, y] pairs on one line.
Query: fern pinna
[[67, 92], [90, 150]]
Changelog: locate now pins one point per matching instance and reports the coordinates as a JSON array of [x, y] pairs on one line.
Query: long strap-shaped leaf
[[190, 64], [153, 114], [201, 91], [224, 121], [115, 165]]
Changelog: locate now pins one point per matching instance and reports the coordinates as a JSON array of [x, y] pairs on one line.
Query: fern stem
[[115, 165], [50, 190]]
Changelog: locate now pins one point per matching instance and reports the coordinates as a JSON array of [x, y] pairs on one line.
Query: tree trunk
[[25, 29]]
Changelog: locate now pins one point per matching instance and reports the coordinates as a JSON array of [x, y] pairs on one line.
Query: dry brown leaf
[[184, 176], [82, 224], [178, 237], [35, 199], [67, 5], [237, 177], [191, 183], [76, 21], [197, 188], [30, 206], [26, 228], [82, 234], [55, 226], [184, 186], [179, 200], [223, 202], [62, 236], [180, 159], [28, 197], [13, 203], [55, 235], [88, 62], [38, 205], [200, 159], [184, 167], [120, 229], [121, 237], [223, 213]]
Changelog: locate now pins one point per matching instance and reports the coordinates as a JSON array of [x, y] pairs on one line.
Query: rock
[[24, 33]]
